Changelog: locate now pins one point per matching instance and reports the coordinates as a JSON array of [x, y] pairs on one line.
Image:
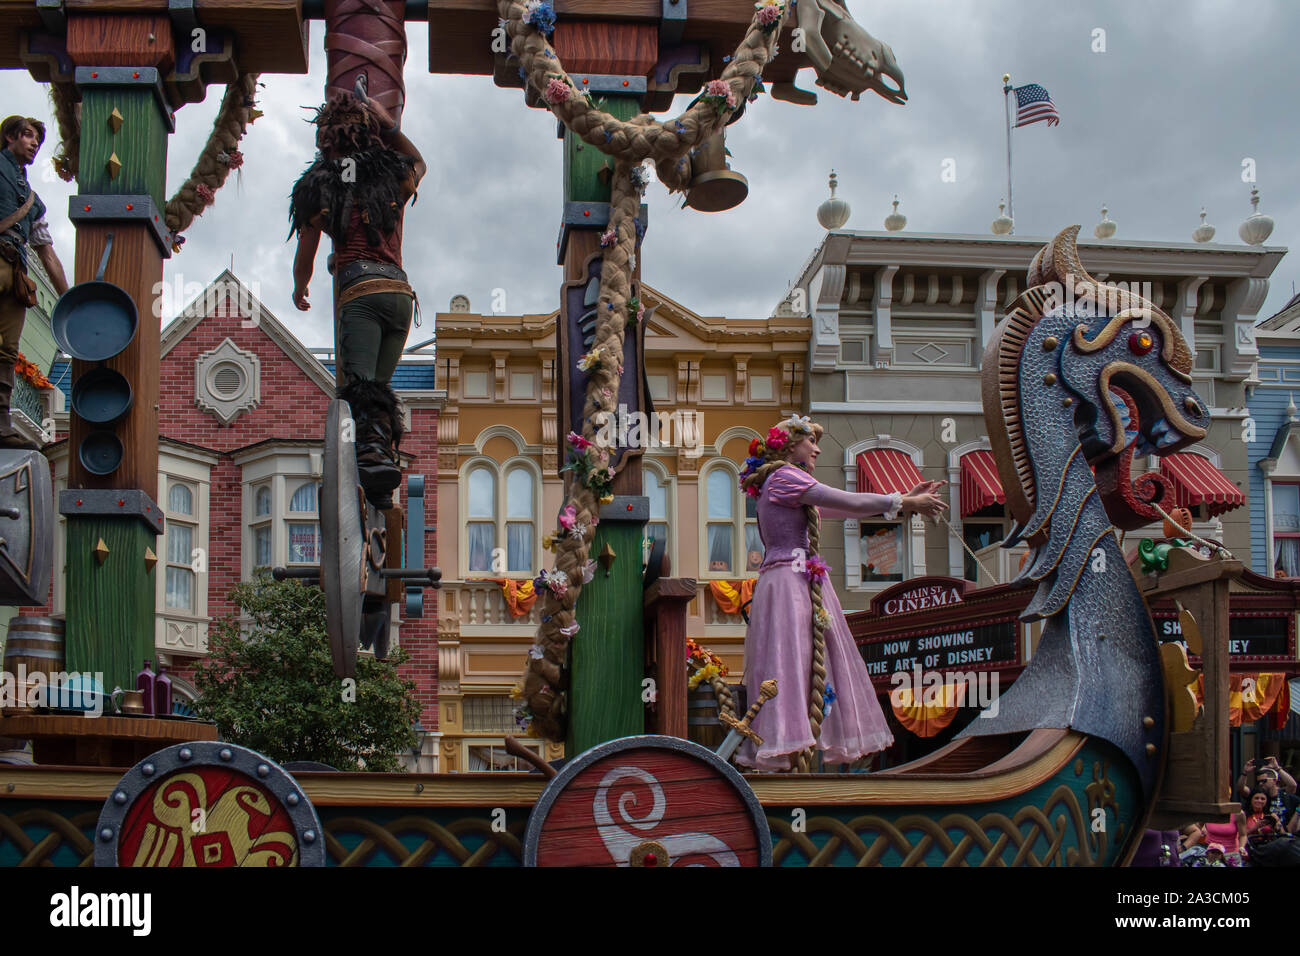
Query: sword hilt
[[766, 691]]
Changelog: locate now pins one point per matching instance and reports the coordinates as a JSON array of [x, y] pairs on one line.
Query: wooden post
[[1198, 779], [665, 635], [112, 519], [607, 659]]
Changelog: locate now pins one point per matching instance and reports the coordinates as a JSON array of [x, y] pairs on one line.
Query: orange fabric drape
[[519, 595], [1283, 709], [1251, 696], [924, 712], [731, 596]]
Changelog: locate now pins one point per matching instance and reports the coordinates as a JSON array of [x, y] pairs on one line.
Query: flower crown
[[780, 438]]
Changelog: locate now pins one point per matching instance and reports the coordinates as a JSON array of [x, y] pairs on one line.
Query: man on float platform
[[22, 224], [355, 192]]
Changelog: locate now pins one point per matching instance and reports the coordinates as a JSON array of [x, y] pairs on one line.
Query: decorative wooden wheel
[[648, 801], [208, 804]]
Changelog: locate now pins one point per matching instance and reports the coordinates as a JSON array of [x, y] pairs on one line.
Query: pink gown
[[778, 643]]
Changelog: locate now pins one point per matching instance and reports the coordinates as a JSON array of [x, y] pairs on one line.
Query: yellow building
[[727, 380]]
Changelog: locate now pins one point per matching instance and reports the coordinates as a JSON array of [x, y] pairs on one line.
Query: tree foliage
[[270, 685]]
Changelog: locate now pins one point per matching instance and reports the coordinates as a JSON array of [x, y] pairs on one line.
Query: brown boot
[[10, 437]]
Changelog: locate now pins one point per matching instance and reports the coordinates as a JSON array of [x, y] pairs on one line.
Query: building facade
[[716, 384], [1273, 437], [899, 325]]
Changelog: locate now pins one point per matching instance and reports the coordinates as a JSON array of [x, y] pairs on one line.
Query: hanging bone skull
[[847, 58]]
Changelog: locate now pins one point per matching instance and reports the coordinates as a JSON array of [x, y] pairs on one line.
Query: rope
[[953, 531], [629, 143], [1212, 545], [211, 169], [722, 693]]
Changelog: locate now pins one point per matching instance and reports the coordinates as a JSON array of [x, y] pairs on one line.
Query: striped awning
[[882, 471], [1198, 482], [980, 485]]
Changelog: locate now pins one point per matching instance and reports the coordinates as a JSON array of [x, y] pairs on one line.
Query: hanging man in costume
[[355, 192], [22, 224]]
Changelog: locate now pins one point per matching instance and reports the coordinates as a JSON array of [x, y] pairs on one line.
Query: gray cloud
[[1156, 127]]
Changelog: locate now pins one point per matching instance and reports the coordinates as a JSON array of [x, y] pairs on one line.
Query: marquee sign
[[920, 595], [954, 648], [1251, 637]]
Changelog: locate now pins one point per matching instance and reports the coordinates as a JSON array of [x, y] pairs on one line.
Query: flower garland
[[590, 465], [706, 663], [30, 372]]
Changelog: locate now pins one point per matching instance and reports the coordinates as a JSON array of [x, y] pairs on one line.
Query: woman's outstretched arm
[[834, 503]]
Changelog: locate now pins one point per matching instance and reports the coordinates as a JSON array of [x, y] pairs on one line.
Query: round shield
[[208, 804], [648, 801], [343, 540]]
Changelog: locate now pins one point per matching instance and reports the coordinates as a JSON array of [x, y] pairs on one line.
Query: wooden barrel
[[35, 644], [702, 724]]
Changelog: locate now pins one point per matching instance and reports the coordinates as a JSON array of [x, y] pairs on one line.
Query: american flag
[[1033, 105]]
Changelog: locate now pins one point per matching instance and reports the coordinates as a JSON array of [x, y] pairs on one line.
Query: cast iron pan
[[96, 320], [102, 396], [100, 452]]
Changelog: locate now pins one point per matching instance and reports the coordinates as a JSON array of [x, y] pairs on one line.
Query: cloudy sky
[[1156, 126]]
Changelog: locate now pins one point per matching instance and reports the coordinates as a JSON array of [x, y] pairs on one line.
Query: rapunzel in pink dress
[[779, 641]]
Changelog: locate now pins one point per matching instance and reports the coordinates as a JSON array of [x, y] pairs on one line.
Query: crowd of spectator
[[1263, 832]]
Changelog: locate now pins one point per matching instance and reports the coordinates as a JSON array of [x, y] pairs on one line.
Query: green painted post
[[139, 144], [607, 659], [583, 180], [110, 606]]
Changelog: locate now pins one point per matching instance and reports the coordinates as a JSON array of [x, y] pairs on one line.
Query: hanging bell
[[714, 185]]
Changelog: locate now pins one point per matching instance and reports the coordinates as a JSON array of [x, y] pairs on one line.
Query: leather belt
[[373, 287], [367, 268]]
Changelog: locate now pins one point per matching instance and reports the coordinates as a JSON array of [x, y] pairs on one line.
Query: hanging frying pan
[[100, 452], [101, 396], [96, 320]]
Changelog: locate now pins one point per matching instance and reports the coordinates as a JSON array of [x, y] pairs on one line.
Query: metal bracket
[[630, 508], [616, 83], [183, 16], [112, 502], [128, 76], [588, 215], [672, 21], [52, 15], [123, 209]]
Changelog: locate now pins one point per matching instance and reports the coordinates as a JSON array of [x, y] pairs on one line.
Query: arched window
[[732, 545], [180, 548], [481, 526], [519, 519], [656, 490], [180, 500], [500, 503], [304, 536]]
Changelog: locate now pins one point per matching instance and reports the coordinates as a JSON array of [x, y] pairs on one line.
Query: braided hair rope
[[629, 143]]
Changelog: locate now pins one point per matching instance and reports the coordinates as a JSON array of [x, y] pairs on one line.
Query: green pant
[[372, 334]]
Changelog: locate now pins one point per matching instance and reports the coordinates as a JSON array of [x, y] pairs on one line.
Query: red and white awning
[[980, 485], [882, 471], [1197, 482]]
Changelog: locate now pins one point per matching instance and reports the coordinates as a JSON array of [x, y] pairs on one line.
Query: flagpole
[[1006, 102]]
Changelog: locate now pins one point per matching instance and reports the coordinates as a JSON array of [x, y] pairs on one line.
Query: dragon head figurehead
[[1074, 354], [848, 60]]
